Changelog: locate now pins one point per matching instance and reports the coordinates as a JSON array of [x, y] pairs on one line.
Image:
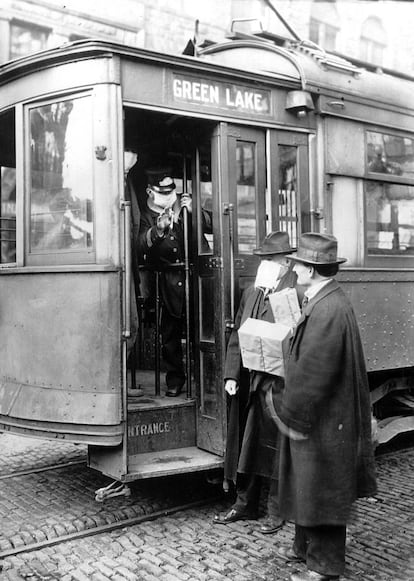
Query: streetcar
[[264, 137]]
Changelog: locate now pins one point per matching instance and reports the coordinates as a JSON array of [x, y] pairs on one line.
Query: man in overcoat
[[252, 464], [161, 246], [326, 457]]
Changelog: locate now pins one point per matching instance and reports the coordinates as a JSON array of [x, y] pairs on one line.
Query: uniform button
[[171, 237], [175, 249], [180, 283]]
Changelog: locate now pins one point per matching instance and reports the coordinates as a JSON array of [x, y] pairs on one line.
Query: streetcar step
[[167, 462]]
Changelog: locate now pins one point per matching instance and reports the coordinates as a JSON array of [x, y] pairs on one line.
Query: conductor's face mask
[[162, 201], [130, 159], [268, 274]]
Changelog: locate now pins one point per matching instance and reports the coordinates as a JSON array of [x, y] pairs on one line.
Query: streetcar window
[[61, 188], [205, 231], [390, 218], [288, 172], [390, 154], [7, 189], [246, 196]]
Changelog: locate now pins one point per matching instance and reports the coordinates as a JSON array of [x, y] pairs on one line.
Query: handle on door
[[229, 211], [126, 207]]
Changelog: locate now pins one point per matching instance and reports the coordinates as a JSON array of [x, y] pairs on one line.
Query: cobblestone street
[[181, 546]]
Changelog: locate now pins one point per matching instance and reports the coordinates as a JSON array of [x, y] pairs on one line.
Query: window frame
[[54, 257], [12, 112], [383, 260]]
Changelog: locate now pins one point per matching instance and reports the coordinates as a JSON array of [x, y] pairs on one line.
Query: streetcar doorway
[[176, 358]]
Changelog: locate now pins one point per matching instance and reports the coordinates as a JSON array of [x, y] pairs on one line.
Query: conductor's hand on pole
[[186, 202]]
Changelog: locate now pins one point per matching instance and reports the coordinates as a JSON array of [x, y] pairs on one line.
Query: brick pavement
[[18, 453], [188, 546]]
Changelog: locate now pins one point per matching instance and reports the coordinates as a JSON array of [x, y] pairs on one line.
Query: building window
[[372, 41], [26, 38], [76, 37], [323, 28]]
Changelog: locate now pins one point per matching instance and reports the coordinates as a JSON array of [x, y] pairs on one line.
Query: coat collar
[[329, 288]]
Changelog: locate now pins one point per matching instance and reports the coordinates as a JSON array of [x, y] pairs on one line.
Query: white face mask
[[268, 274], [130, 159], [162, 201]]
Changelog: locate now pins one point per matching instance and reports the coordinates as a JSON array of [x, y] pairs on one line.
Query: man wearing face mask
[[161, 245], [253, 462]]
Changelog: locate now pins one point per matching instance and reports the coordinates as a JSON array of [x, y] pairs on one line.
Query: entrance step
[[167, 462], [161, 423]]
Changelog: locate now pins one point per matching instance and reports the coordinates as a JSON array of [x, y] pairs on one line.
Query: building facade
[[376, 32]]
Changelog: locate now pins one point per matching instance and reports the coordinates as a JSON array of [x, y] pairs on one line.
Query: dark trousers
[[322, 547], [172, 351], [248, 490]]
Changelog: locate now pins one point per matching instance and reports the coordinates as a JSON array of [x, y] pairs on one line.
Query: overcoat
[[247, 422], [162, 254], [326, 396], [167, 255]]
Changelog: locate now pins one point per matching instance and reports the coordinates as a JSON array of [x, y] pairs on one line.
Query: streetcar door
[[232, 185], [267, 190], [208, 287], [245, 207], [256, 177]]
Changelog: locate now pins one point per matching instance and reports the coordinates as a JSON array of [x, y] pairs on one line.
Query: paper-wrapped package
[[263, 345], [285, 307]]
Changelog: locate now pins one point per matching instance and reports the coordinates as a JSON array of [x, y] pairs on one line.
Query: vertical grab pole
[[157, 335], [229, 211], [126, 334], [187, 286]]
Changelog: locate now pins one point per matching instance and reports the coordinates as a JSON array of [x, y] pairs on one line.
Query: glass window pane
[[390, 218], [246, 196], [207, 309], [288, 170], [330, 37], [7, 189], [61, 196], [205, 229], [390, 154], [210, 387]]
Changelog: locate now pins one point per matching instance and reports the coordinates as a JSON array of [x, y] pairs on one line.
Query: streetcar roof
[[300, 65]]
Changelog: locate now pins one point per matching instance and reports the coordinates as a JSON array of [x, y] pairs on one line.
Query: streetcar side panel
[[60, 354]]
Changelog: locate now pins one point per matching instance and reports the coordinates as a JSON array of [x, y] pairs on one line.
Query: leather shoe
[[289, 555], [271, 525], [312, 576], [173, 391], [232, 516]]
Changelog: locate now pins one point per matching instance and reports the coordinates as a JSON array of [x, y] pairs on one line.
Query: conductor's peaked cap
[[160, 180], [315, 248]]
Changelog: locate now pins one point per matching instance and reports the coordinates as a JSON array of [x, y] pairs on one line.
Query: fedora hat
[[314, 248], [160, 180], [274, 243]]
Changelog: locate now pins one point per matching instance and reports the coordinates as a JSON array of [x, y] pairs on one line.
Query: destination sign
[[221, 95]]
